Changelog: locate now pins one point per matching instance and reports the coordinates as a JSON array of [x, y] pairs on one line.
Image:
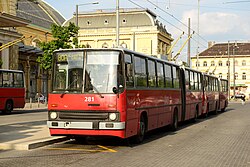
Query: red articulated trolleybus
[[118, 92], [12, 90]]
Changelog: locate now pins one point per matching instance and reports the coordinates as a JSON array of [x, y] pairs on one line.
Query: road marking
[[106, 148], [77, 149]]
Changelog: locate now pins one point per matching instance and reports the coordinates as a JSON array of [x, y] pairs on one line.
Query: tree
[[64, 38]]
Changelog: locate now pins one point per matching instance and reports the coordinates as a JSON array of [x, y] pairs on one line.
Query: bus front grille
[[84, 115]]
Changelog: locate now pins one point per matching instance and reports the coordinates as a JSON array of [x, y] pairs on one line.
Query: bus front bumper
[[86, 125]]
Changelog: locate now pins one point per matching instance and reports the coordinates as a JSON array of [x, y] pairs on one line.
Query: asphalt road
[[221, 140]]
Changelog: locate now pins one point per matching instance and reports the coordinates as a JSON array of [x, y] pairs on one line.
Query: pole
[[234, 69], [77, 15], [188, 56], [228, 72], [198, 31], [117, 23]]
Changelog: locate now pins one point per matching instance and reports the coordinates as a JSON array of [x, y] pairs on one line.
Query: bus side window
[[129, 71], [1, 79], [140, 71]]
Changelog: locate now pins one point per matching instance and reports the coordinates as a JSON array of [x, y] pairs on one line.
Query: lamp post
[[234, 48], [198, 31], [77, 6], [228, 72], [117, 24]]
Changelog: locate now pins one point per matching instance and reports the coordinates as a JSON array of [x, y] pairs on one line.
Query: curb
[[32, 144]]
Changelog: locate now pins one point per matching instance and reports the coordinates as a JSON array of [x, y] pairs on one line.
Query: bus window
[[176, 76], [6, 79], [151, 74], [187, 80], [160, 75], [129, 71], [1, 79], [140, 72], [168, 76], [196, 81], [191, 80], [18, 80]]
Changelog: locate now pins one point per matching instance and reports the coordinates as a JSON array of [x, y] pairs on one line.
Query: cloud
[[212, 23]]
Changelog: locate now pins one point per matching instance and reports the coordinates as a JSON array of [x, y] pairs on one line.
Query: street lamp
[[90, 3], [229, 64], [234, 48]]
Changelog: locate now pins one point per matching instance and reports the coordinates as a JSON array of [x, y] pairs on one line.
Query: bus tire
[[224, 108], [216, 108], [8, 107], [206, 114], [196, 114], [142, 130], [174, 125]]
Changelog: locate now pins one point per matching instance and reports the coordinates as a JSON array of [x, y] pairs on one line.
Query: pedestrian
[[243, 99]]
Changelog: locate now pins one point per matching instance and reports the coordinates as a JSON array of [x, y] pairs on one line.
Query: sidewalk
[[26, 135]]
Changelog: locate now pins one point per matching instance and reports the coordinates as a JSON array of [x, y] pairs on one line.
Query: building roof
[[8, 20], [107, 19], [221, 49], [39, 13]]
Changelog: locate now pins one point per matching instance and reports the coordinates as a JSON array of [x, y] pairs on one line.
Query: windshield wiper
[[66, 90]]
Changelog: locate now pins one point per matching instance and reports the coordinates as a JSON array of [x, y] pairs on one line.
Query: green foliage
[[64, 38]]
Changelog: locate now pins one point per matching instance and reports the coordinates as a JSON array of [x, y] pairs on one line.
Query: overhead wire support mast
[[179, 52]]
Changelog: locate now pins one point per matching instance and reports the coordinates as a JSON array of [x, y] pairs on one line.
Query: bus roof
[[124, 50]]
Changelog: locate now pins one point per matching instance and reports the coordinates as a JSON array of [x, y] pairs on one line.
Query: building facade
[[23, 55], [227, 60], [139, 31]]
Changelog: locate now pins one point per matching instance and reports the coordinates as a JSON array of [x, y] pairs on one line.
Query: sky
[[219, 20]]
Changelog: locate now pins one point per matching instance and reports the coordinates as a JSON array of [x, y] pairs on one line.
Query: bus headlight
[[53, 115], [112, 116]]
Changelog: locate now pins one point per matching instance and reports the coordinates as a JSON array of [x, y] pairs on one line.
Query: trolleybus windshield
[[95, 73]]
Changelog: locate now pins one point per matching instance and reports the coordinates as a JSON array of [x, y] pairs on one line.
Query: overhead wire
[[170, 22]]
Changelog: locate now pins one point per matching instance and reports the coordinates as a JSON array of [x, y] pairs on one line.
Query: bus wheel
[[206, 114], [216, 109], [224, 108], [174, 125], [142, 130], [8, 107], [196, 115]]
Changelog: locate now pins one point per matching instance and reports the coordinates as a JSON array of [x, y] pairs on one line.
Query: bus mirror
[[115, 90]]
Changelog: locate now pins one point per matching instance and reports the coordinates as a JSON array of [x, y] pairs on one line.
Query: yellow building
[[23, 56], [139, 31], [217, 58]]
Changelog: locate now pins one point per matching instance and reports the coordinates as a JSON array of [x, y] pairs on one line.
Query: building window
[[220, 75], [228, 63], [124, 45], [236, 76], [244, 63], [197, 64], [236, 62], [244, 76], [212, 63], [220, 63], [205, 64], [105, 45], [106, 22], [88, 23], [124, 21]]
